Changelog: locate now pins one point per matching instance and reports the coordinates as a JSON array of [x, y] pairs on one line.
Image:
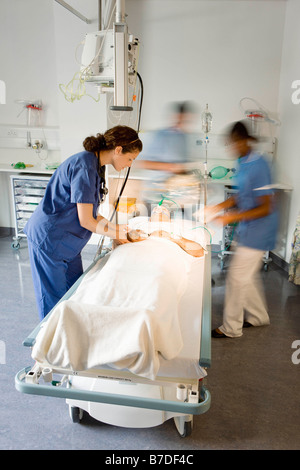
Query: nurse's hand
[[121, 234], [208, 213], [226, 219], [211, 213], [136, 236]]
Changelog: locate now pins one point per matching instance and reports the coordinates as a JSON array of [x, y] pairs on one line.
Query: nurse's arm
[[160, 166], [263, 209], [211, 212], [100, 225], [227, 204]]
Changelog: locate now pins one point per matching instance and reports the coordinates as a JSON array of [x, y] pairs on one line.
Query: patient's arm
[[189, 246]]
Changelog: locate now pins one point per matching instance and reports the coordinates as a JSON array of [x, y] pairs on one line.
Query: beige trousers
[[244, 297]]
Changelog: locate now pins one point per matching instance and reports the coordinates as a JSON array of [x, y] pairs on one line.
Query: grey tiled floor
[[253, 383]]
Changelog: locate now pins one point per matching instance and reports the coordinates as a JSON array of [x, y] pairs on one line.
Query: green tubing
[[202, 226]]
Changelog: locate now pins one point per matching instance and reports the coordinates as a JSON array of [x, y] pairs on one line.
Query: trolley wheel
[[76, 414], [184, 428], [187, 429], [222, 265], [15, 245], [266, 267]]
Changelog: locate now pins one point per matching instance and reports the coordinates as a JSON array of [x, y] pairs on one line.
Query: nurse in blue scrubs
[[67, 216], [254, 210]]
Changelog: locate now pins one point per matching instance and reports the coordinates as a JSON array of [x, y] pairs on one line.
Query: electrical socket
[[12, 133]]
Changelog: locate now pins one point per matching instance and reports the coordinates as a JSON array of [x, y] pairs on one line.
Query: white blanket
[[124, 315]]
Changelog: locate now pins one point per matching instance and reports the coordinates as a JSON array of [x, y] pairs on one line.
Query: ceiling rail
[[72, 10]]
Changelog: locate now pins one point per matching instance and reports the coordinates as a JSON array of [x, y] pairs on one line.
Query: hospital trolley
[[120, 397]]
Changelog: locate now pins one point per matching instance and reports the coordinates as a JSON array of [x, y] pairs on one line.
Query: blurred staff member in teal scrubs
[[254, 211], [64, 221]]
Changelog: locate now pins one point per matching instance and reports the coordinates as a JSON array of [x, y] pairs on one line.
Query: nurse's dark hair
[[122, 136], [239, 131]]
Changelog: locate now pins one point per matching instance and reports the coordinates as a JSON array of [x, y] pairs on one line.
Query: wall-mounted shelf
[[35, 169], [17, 136]]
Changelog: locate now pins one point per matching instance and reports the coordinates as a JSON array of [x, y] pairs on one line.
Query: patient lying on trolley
[[125, 314], [159, 225]]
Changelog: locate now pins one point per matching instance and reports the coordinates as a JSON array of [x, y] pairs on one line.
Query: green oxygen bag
[[219, 172]]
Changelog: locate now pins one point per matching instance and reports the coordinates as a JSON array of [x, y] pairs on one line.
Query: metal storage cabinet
[[228, 232], [27, 192]]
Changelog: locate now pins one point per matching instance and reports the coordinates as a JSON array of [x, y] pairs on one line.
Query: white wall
[[38, 52], [27, 58], [83, 117], [210, 51], [288, 161]]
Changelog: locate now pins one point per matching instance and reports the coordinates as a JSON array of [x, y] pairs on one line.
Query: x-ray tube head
[[97, 60], [109, 59]]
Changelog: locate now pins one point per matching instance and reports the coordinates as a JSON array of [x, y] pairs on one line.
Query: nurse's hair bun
[[118, 136], [94, 144]]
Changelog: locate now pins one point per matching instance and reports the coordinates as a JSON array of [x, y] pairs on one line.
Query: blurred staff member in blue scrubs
[[64, 221], [168, 151], [254, 211]]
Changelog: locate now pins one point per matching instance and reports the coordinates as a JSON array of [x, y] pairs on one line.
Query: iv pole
[[206, 127]]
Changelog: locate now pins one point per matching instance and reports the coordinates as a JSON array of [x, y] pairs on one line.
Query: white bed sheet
[[173, 352], [186, 364]]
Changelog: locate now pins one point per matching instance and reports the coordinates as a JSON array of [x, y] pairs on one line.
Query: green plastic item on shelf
[[19, 165], [52, 166]]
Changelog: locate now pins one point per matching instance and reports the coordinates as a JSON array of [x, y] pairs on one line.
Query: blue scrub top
[[168, 145], [54, 226], [254, 172]]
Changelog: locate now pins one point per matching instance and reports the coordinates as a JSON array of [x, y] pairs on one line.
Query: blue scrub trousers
[[52, 278]]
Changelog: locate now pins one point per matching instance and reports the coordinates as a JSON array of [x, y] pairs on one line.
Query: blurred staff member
[[255, 213], [64, 220], [168, 151]]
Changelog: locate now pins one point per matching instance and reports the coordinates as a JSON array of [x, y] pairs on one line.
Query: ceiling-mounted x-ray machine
[[109, 58]]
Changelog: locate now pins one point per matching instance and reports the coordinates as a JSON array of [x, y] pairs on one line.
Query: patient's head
[[160, 214]]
